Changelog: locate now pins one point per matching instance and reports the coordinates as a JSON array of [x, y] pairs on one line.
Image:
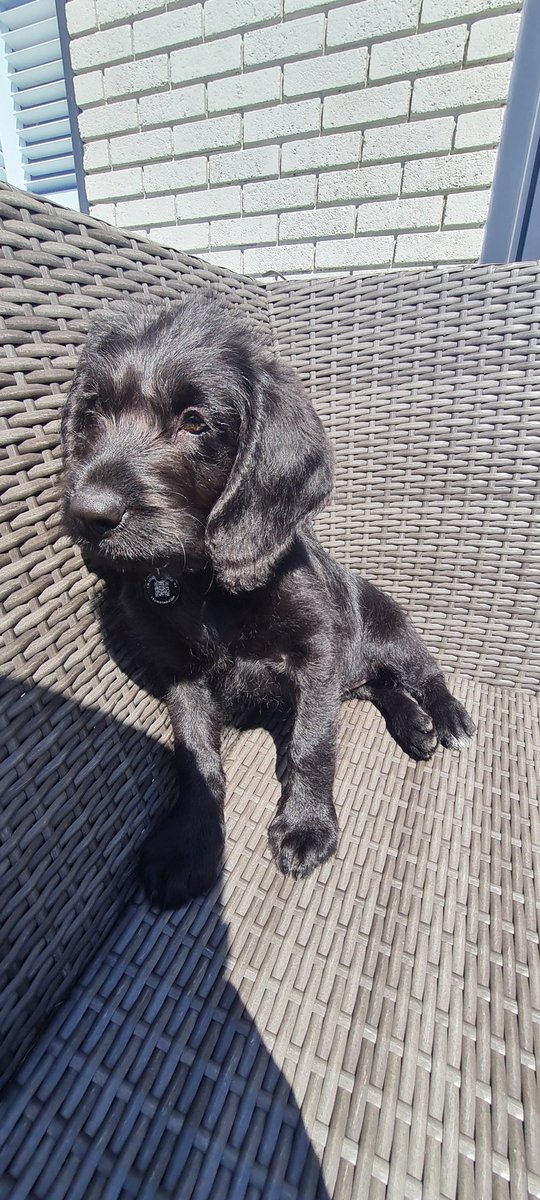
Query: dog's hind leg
[[406, 722], [397, 667], [451, 720]]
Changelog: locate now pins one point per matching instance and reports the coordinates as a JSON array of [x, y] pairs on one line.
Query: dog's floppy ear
[[281, 475]]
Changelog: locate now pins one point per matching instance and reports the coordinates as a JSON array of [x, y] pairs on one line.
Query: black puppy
[[193, 465]]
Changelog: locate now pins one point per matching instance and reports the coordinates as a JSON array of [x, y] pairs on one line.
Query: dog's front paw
[[452, 722], [180, 860], [300, 845]]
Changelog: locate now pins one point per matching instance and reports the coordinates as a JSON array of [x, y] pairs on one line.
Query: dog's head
[[185, 442]]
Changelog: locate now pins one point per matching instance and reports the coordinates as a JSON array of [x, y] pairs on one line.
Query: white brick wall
[[292, 136]]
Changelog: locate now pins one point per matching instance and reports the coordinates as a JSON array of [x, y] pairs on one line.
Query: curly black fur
[[190, 449]]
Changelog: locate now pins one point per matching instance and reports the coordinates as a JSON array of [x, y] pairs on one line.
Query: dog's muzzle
[[96, 511]]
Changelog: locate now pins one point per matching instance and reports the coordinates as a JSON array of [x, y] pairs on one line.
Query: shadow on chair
[[147, 1077]]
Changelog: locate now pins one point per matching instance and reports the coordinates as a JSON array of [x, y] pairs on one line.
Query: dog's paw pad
[[299, 847], [454, 726]]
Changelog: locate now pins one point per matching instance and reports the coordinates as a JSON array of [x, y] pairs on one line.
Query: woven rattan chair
[[372, 1030]]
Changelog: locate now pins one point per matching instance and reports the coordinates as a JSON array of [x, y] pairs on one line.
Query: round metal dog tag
[[162, 589]]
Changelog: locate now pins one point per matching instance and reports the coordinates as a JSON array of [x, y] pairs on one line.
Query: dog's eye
[[191, 421]]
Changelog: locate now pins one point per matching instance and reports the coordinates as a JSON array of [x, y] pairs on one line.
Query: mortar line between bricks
[[409, 116], [467, 44], [453, 149]]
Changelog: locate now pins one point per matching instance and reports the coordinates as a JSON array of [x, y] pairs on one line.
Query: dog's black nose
[[96, 510]]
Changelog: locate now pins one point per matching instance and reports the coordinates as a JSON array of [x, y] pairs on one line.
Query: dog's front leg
[[182, 856], [305, 830]]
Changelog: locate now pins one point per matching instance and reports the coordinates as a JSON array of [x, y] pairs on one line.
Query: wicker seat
[[372, 1030]]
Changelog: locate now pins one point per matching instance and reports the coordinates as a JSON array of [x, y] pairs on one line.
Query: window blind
[[40, 117]]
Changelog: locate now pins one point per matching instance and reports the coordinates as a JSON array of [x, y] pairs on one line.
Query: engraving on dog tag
[[162, 589]]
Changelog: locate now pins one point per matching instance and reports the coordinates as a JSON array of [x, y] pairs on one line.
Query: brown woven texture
[[380, 1017], [429, 384], [395, 995]]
